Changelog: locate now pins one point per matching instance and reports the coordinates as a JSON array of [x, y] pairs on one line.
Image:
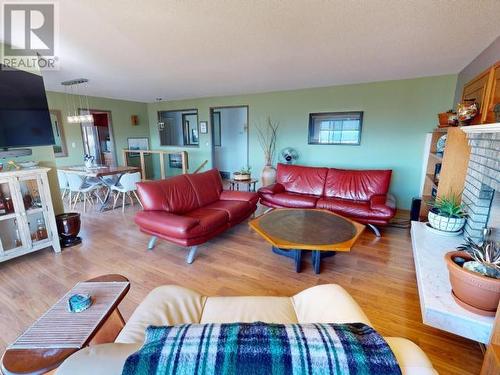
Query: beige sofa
[[169, 305]]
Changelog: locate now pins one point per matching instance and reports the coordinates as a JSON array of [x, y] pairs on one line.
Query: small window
[[335, 128]]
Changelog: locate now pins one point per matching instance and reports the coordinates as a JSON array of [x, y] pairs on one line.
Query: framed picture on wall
[[203, 127], [175, 161], [137, 143]]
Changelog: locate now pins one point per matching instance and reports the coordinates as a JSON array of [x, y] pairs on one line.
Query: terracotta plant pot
[[268, 175], [474, 292]]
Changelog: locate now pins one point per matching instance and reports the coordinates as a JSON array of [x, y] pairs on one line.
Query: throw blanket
[[259, 348]]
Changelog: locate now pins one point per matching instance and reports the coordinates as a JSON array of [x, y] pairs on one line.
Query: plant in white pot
[[267, 135], [447, 214], [244, 174]]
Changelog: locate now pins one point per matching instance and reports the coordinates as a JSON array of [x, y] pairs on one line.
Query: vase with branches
[[267, 135]]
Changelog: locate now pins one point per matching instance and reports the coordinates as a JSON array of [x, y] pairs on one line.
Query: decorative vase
[[68, 226], [471, 290], [268, 175], [444, 223]]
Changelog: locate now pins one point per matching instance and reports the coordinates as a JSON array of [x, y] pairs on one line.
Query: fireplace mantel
[[485, 128]]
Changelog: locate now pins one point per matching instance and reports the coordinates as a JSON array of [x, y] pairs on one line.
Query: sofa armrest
[[411, 359], [164, 222], [272, 189], [104, 359], [384, 203]]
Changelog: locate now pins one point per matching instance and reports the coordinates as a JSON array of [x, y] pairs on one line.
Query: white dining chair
[[126, 187], [63, 185], [79, 186]]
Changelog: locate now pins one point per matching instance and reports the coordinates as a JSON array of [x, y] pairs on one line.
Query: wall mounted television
[[24, 113]]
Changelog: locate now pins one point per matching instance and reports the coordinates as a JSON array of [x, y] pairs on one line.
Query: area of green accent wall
[[397, 116], [121, 112]]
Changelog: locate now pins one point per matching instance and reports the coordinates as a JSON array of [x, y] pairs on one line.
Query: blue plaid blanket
[[259, 348]]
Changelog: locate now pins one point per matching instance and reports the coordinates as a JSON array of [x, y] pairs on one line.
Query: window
[[335, 128], [178, 128]]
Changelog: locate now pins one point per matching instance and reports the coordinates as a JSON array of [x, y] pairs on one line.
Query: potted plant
[[447, 214], [475, 275], [267, 138], [243, 174]]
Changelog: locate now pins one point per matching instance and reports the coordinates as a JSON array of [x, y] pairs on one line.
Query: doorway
[[98, 139], [229, 139]]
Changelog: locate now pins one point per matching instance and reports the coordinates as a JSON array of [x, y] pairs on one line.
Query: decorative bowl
[[466, 112]]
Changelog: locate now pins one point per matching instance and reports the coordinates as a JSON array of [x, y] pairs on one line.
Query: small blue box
[[79, 302]]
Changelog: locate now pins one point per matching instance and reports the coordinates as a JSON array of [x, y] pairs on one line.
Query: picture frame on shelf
[[137, 143]]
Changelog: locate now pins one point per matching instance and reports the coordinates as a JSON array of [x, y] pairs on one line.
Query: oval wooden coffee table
[[290, 231]]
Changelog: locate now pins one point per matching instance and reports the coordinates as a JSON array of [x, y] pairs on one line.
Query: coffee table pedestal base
[[296, 255]]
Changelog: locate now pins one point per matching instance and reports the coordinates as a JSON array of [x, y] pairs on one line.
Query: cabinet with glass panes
[[27, 221]]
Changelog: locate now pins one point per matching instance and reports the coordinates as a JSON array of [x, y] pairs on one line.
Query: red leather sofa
[[190, 209], [361, 195]]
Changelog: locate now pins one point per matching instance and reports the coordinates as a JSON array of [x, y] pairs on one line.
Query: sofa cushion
[[357, 184], [207, 185], [165, 305], [354, 209], [300, 179], [209, 221], [175, 195], [248, 309], [163, 222], [290, 200], [246, 196], [234, 209]]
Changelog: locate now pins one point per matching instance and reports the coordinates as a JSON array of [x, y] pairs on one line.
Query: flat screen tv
[[24, 113]]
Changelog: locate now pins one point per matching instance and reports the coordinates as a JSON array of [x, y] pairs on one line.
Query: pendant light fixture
[[77, 101]]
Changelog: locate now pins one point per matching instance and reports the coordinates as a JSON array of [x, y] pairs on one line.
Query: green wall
[[397, 115], [121, 111]]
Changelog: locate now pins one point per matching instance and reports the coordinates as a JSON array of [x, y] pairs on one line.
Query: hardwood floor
[[378, 272]]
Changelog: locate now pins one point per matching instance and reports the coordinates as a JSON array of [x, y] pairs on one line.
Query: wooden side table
[[235, 184], [32, 361]]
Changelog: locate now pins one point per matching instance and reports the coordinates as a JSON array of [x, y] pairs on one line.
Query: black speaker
[[415, 209]]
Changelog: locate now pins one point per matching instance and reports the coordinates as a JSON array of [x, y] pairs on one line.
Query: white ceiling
[[141, 50]]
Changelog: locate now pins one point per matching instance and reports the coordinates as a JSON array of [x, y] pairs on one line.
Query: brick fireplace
[[482, 183]]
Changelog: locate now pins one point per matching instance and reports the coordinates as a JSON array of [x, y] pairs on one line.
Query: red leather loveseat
[[190, 209], [361, 195]]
